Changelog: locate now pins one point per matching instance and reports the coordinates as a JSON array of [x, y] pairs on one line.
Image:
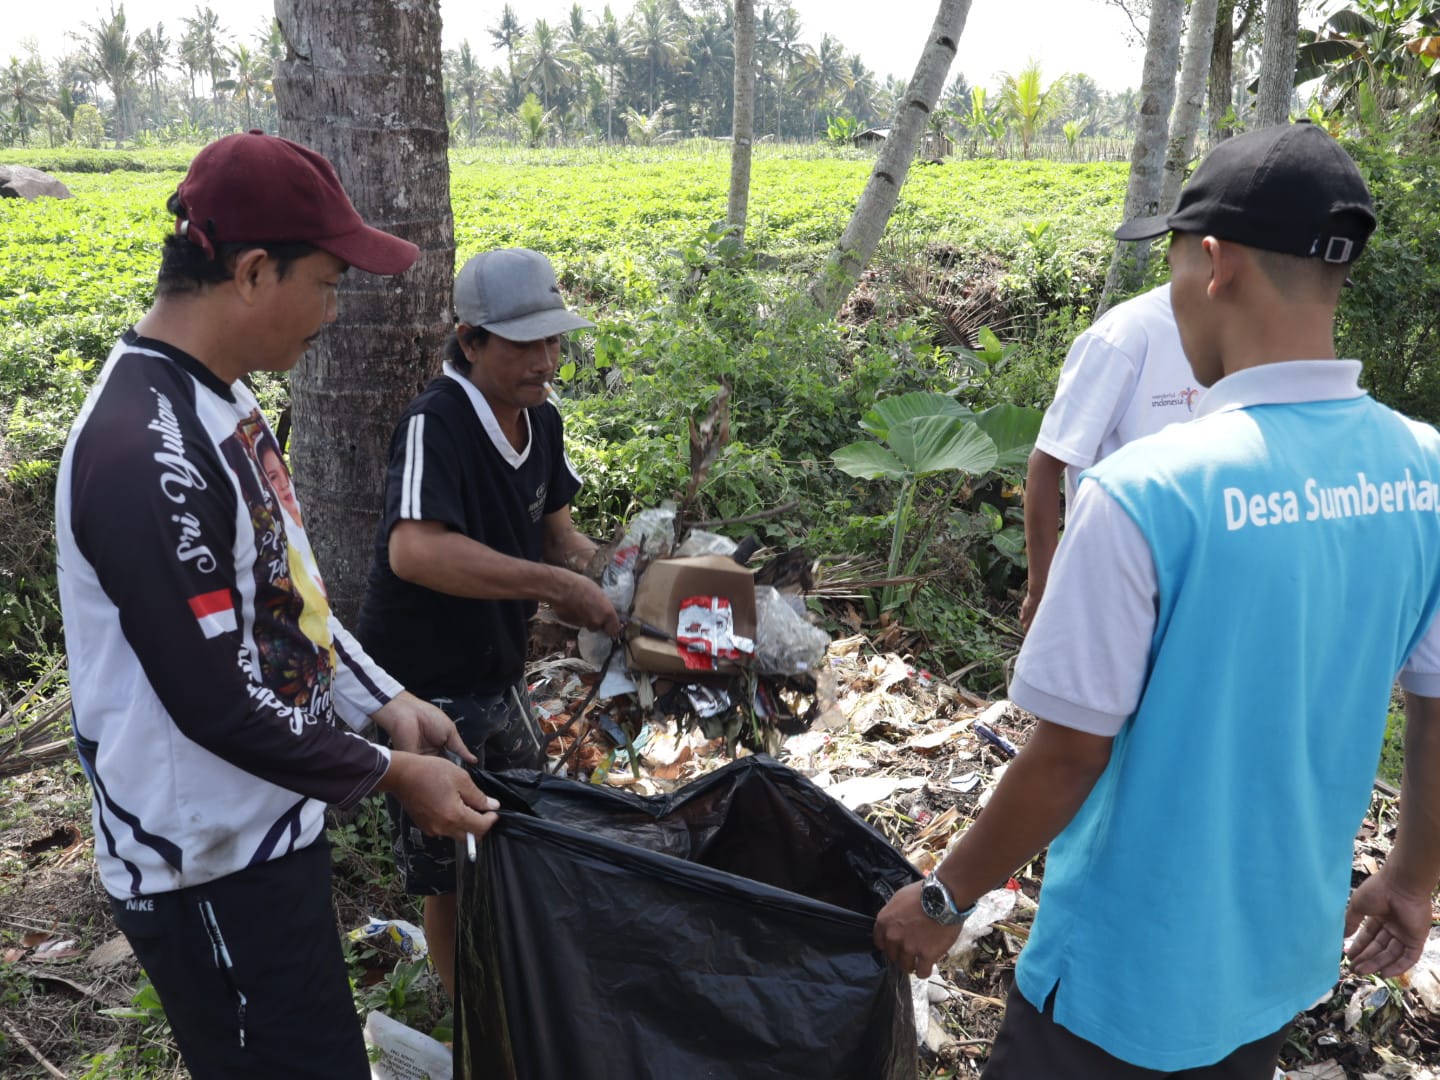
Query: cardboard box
[[658, 595]]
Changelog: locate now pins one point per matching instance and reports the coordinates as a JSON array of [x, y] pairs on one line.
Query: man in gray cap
[[476, 531], [1212, 664]]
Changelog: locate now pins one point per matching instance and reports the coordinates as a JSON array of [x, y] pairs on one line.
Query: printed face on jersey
[[1189, 283], [295, 308], [514, 374], [279, 477]]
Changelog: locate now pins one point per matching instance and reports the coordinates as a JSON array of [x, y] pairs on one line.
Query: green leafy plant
[[144, 1005], [985, 363], [916, 435], [534, 121], [841, 130]]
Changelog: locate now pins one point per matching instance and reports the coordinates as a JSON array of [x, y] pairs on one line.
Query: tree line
[[662, 70]]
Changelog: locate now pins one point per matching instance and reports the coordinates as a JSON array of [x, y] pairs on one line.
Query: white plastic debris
[[989, 909], [1425, 975], [649, 535], [700, 542], [861, 791], [409, 937], [1323, 1070], [402, 1053], [785, 644]]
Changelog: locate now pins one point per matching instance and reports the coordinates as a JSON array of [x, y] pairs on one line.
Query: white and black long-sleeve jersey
[[206, 670]]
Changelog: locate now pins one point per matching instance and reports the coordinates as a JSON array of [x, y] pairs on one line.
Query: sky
[[1074, 36]]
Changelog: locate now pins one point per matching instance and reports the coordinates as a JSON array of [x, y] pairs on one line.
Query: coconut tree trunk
[[1222, 58], [743, 133], [1190, 98], [842, 269], [1147, 158], [1222, 62], [1277, 62], [361, 83]]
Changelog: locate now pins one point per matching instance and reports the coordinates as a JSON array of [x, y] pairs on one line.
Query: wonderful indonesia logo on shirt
[[1175, 398]]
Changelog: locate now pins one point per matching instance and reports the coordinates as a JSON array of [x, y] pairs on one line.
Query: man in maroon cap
[[210, 680]]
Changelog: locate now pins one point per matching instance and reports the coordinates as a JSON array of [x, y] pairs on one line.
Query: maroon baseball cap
[[264, 189]]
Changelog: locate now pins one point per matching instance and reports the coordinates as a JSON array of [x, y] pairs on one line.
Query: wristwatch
[[936, 902]]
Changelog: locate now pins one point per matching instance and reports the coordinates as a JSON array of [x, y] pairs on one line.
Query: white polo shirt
[[1124, 378], [1086, 658]]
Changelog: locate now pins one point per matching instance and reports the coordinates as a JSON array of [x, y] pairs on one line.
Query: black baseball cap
[[1291, 189]]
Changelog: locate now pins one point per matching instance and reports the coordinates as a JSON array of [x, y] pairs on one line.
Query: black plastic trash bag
[[722, 931]]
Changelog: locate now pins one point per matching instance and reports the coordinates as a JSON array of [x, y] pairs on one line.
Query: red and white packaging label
[[705, 632]]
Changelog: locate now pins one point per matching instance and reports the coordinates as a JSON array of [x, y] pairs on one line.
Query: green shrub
[[1390, 319]]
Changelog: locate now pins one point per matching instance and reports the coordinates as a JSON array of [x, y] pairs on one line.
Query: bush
[[1390, 319]]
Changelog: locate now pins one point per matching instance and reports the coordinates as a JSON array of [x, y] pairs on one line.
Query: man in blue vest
[[1212, 665]]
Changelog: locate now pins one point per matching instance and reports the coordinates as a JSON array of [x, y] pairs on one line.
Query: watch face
[[932, 900]]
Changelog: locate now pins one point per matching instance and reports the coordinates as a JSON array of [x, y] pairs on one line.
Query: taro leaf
[[931, 444], [868, 460], [890, 412], [1013, 429]]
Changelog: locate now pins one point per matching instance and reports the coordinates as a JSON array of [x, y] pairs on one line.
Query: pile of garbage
[[708, 640]]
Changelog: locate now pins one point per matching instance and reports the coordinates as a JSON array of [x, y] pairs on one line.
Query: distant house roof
[[872, 135]]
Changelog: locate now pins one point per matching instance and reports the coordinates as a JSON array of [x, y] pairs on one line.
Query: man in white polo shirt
[[1124, 378], [1212, 667]]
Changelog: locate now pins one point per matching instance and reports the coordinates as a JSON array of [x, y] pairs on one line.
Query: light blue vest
[[1196, 902]]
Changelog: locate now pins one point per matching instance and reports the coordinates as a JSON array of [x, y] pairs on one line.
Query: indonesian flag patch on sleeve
[[214, 611]]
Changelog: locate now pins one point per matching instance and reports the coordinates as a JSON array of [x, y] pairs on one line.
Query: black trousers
[[250, 971], [1031, 1045]]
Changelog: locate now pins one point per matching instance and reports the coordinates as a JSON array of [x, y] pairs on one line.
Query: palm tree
[[1028, 103], [645, 130], [743, 127], [202, 52], [890, 96], [249, 82], [957, 94], [859, 96], [1147, 157], [25, 93], [1277, 62], [534, 120], [575, 29], [270, 43], [712, 62], [396, 112], [469, 81], [154, 57], [872, 212], [651, 38], [111, 59], [507, 34], [546, 64], [609, 51], [824, 78], [789, 51]]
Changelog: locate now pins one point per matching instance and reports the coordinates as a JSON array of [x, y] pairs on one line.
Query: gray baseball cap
[[512, 292]]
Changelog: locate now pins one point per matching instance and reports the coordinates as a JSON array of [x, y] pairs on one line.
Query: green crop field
[[1017, 245]]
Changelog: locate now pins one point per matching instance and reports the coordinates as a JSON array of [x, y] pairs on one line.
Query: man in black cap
[[476, 531], [210, 680], [1212, 666]]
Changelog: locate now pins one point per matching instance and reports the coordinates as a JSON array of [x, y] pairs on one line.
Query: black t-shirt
[[450, 462]]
